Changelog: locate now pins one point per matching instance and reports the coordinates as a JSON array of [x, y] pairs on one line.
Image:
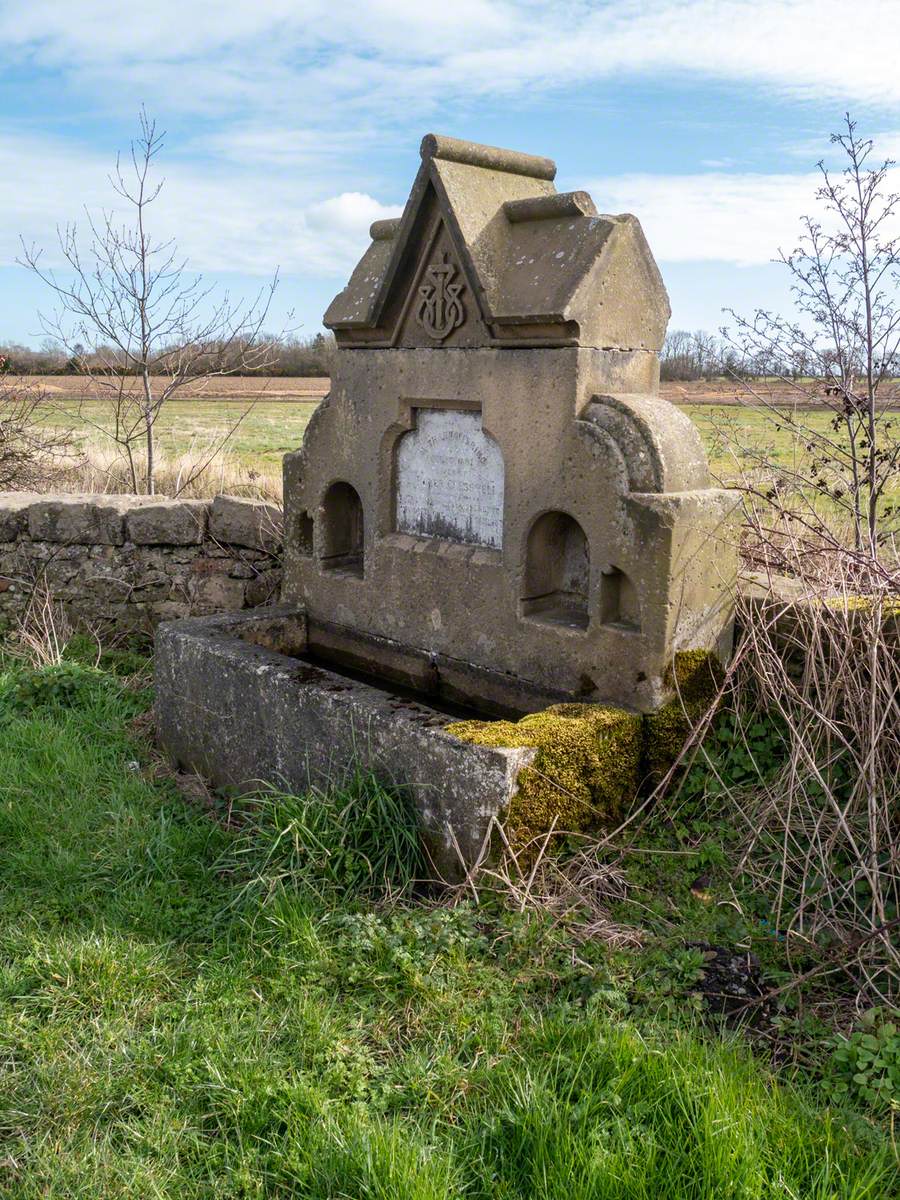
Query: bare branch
[[129, 312]]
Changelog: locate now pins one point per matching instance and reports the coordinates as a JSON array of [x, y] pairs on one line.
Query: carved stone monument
[[492, 513], [493, 504]]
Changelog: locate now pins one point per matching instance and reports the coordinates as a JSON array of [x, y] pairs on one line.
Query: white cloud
[[230, 217], [271, 146], [887, 145], [348, 213], [304, 86], [223, 220], [289, 114], [738, 218], [288, 55]]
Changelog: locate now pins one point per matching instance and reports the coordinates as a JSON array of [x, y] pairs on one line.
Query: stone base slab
[[237, 709]]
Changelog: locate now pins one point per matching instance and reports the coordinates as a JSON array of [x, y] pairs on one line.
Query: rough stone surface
[[546, 269], [127, 562], [240, 522], [239, 712], [14, 514], [168, 522], [79, 520]]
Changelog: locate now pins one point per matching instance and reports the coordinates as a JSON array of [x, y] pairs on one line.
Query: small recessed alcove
[[303, 534], [341, 537], [557, 572], [619, 603]]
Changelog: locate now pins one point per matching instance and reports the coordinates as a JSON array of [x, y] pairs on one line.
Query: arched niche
[[302, 534], [341, 538], [557, 572], [619, 603]]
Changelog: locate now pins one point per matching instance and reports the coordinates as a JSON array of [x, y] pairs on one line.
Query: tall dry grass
[[823, 835], [193, 473], [42, 632], [817, 664]]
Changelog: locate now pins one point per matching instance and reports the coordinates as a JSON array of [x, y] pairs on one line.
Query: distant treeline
[[700, 355], [685, 356], [288, 356]]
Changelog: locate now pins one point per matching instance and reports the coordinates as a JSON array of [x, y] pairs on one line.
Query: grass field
[[268, 427], [271, 428], [265, 433], [188, 432], [197, 1009]]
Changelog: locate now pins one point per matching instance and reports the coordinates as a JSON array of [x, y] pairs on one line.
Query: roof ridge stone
[[494, 158], [557, 205]]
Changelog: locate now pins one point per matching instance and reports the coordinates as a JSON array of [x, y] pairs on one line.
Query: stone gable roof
[[541, 267]]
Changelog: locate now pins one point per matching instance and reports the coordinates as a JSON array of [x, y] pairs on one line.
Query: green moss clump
[[694, 676], [585, 771], [591, 758]]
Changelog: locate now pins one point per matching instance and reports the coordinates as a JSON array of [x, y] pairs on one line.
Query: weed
[[866, 1065], [66, 685], [128, 658], [668, 984], [738, 751]]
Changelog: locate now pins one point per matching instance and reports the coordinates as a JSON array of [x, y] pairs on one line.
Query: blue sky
[[292, 124]]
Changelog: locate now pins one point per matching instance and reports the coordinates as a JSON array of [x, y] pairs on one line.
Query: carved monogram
[[440, 309]]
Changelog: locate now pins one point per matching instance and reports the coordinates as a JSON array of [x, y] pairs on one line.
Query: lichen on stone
[[584, 774], [889, 605]]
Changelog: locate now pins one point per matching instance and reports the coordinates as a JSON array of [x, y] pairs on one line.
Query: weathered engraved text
[[450, 479]]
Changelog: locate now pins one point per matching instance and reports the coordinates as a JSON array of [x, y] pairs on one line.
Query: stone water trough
[[492, 513]]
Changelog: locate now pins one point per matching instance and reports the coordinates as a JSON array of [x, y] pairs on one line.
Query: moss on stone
[[591, 758], [585, 772], [694, 676]]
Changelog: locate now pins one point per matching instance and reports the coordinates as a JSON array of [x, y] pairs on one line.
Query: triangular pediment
[[435, 300], [416, 286]]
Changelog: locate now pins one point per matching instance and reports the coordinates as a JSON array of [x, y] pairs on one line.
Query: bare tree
[[840, 350], [31, 451], [136, 324], [817, 662], [689, 356]]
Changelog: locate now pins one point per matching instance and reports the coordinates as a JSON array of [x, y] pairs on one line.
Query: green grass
[[735, 434], [189, 1009], [268, 430], [271, 429]]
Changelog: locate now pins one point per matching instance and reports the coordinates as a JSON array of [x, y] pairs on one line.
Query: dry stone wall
[[129, 562]]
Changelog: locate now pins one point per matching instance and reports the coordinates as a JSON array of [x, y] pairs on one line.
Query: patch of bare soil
[[272, 389], [726, 392], [264, 387]]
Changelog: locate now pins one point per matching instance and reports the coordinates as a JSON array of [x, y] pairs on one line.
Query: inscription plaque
[[450, 479]]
